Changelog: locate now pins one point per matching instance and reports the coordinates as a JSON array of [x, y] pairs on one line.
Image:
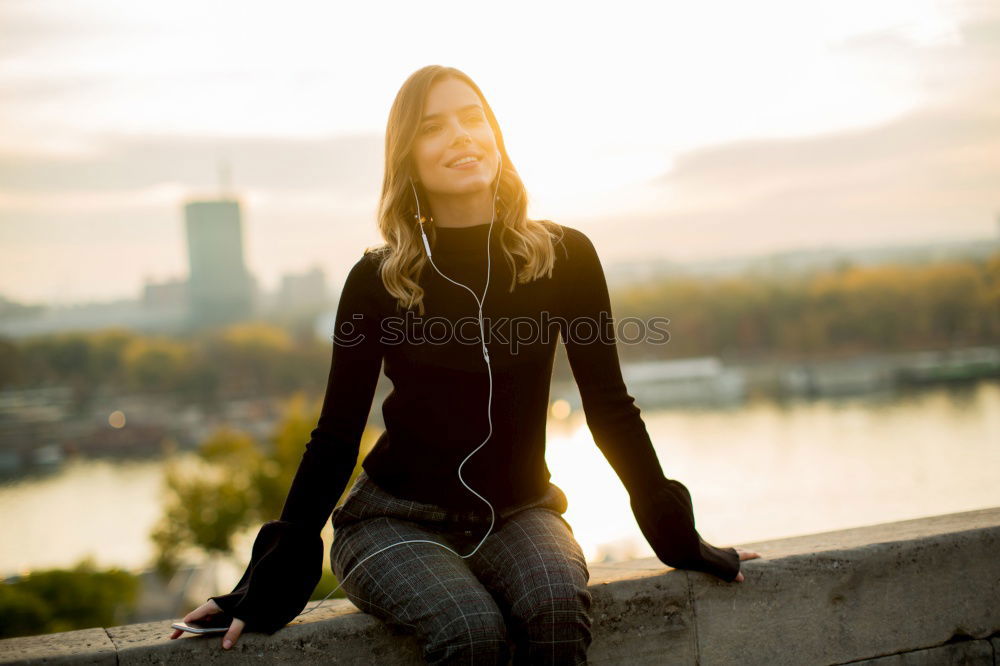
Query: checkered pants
[[524, 591]]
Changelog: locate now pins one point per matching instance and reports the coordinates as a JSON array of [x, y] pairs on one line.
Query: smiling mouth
[[465, 162]]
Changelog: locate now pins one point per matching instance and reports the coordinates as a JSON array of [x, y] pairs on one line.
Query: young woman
[[453, 530]]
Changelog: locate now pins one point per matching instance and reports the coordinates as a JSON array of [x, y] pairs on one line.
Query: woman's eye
[[430, 128]]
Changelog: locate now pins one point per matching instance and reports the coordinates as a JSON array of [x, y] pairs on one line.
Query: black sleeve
[[666, 518], [285, 567], [287, 555], [662, 506], [332, 451]]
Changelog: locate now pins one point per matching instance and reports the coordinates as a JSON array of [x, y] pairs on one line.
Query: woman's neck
[[462, 210]]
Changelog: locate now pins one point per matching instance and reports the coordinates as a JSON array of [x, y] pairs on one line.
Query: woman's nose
[[463, 137]]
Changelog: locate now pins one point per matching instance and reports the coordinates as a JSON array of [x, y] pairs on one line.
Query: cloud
[[931, 173], [341, 168]]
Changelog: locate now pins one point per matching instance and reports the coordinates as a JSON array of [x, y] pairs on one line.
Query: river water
[[759, 471]]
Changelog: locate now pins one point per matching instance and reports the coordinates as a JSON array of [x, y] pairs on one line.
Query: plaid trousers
[[522, 593]]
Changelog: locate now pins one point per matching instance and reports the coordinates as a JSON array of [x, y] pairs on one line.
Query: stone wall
[[923, 591]]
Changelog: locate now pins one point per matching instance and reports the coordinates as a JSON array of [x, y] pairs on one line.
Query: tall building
[[302, 291], [220, 287], [171, 294]]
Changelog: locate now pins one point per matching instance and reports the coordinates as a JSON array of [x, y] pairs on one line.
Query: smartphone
[[218, 623]]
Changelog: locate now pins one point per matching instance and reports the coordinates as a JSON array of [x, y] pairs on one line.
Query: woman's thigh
[[419, 587], [537, 573]]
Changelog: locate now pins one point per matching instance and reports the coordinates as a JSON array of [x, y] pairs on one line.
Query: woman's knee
[[423, 588], [557, 615], [472, 636], [551, 602]]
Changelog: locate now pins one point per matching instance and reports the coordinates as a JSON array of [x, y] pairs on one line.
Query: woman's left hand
[[745, 555]]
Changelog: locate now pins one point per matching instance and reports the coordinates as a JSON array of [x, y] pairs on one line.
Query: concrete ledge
[[915, 592], [85, 646]]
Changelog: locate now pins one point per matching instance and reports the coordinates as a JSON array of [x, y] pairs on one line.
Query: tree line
[[853, 309]]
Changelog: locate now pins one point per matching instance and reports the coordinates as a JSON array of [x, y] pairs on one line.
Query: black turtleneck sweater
[[436, 413]]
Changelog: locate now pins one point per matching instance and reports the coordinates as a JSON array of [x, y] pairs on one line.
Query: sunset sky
[[673, 130]]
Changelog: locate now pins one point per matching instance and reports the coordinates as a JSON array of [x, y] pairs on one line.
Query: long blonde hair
[[402, 255]]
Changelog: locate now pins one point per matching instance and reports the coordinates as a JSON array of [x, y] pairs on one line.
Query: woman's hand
[[745, 555], [208, 609]]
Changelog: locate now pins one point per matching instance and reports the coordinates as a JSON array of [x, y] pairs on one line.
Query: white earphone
[[489, 370]]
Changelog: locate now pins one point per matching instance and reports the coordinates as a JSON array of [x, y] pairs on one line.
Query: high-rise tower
[[221, 289]]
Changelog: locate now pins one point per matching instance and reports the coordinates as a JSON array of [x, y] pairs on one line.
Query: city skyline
[[857, 125]]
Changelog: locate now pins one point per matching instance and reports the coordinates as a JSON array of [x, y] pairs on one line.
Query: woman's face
[[453, 125]]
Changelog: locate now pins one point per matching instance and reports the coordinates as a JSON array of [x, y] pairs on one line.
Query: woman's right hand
[[208, 609], [745, 555]]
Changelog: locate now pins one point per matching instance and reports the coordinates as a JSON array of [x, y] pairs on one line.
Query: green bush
[[56, 600]]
